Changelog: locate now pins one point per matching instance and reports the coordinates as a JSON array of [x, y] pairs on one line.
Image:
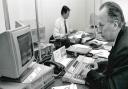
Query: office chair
[[56, 42]]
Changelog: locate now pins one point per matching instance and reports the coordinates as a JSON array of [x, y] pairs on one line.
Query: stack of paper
[[78, 48]]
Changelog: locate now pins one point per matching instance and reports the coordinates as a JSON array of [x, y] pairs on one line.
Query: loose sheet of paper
[[71, 86], [100, 53]]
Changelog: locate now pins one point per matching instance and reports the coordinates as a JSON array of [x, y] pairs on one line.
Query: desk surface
[[58, 82], [13, 85]]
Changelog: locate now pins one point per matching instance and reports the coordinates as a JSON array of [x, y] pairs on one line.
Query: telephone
[[59, 69], [73, 74]]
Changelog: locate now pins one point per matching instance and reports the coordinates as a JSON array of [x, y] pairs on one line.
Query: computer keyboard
[[33, 75]]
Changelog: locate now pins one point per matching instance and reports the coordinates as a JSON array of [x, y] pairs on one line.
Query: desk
[[35, 80], [12, 85], [58, 82]]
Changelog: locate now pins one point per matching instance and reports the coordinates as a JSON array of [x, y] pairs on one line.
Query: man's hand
[[94, 66], [85, 72]]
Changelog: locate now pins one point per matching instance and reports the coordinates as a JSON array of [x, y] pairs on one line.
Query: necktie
[[65, 26]]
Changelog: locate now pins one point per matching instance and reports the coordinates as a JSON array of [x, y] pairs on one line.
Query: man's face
[[108, 29], [66, 15]]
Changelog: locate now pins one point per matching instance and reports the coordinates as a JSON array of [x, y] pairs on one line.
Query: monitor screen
[[26, 48]]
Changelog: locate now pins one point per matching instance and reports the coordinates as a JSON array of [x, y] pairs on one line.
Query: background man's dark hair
[[64, 9], [114, 12]]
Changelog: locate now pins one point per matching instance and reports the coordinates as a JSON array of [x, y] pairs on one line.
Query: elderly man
[[112, 26]]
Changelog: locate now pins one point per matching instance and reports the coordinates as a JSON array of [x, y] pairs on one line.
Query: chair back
[[51, 39]]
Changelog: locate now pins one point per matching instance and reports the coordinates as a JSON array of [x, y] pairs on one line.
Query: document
[[60, 56], [107, 47], [98, 42], [71, 86], [57, 55], [80, 46]]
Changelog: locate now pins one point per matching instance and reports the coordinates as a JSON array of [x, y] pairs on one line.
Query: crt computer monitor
[[16, 51]]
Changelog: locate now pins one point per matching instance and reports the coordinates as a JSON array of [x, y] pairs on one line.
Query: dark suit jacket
[[116, 74]]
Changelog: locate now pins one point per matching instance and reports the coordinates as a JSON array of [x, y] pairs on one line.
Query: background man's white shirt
[[59, 30]]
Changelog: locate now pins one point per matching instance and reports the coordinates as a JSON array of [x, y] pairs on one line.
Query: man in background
[[62, 29]]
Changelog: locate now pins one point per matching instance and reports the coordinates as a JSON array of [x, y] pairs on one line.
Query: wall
[[26, 9], [13, 10], [21, 10], [49, 11], [2, 22]]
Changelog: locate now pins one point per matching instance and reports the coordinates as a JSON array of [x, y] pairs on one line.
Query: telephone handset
[[59, 69]]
